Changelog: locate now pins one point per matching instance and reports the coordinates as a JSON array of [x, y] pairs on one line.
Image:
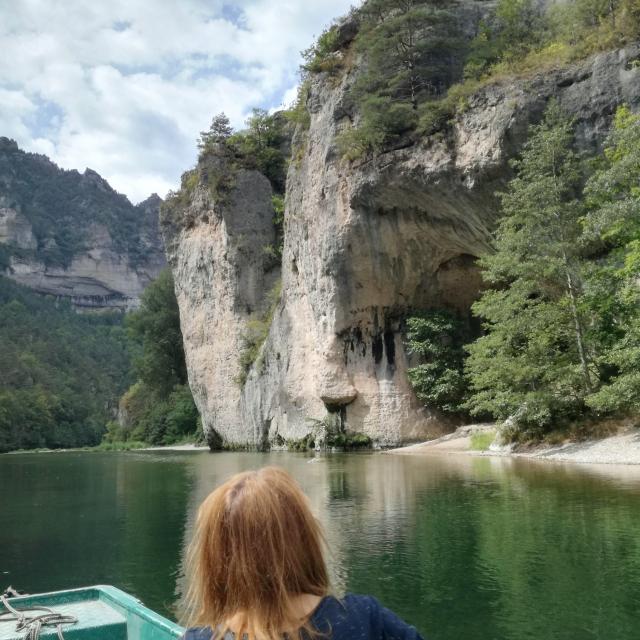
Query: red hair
[[256, 547]]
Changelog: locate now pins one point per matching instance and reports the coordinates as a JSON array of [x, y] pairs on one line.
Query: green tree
[[261, 146], [159, 407], [321, 56], [437, 339], [535, 363], [612, 233], [413, 52], [514, 29], [410, 47], [520, 26], [155, 328], [219, 132]]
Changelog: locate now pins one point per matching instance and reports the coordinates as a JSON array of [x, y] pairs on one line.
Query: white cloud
[[289, 97], [125, 86], [15, 108]]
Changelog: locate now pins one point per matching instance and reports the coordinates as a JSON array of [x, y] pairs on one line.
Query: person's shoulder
[[351, 609], [198, 633], [359, 602], [348, 604], [367, 612]]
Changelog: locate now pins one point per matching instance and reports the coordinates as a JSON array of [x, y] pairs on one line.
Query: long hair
[[256, 547]]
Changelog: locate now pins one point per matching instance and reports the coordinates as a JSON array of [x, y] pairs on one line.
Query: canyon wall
[[365, 244], [71, 236]]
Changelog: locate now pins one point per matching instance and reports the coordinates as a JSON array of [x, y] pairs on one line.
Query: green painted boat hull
[[103, 613]]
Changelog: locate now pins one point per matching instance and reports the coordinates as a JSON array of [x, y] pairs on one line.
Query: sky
[[125, 86]]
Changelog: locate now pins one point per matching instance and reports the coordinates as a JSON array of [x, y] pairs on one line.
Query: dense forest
[[73, 380], [61, 373]]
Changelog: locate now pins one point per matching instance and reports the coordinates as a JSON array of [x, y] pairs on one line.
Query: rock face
[[16, 230], [99, 278], [216, 250], [364, 245], [71, 235]]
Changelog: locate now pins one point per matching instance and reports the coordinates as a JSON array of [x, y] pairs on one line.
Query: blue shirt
[[351, 618]]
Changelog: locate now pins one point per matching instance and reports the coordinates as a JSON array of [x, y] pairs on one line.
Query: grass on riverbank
[[132, 445], [104, 446], [481, 441], [128, 445]]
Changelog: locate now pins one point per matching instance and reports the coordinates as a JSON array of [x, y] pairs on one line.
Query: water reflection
[[74, 519], [474, 547], [479, 548]]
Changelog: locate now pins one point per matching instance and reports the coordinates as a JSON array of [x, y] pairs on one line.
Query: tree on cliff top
[[414, 55], [259, 146], [410, 45], [412, 51], [515, 28], [219, 132]]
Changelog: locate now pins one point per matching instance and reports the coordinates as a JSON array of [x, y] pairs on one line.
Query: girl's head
[[256, 548]]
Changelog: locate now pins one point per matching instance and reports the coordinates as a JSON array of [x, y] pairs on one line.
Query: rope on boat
[[33, 624]]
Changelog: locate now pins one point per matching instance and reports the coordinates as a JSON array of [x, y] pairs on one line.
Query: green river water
[[464, 548]]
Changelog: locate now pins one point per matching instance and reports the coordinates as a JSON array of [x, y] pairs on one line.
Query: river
[[463, 548]]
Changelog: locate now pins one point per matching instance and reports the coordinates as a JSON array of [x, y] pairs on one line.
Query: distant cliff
[[71, 235], [367, 241]]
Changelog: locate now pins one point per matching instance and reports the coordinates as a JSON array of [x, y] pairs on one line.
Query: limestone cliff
[[71, 235], [365, 243]]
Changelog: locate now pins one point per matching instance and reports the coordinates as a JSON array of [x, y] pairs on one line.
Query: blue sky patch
[[47, 119], [121, 25], [234, 14]]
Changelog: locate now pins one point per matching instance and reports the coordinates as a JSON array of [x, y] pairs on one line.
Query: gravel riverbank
[[622, 448]]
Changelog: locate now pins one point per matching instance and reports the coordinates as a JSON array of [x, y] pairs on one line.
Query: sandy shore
[[622, 448]]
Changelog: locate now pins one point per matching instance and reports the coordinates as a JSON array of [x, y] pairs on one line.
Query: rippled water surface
[[464, 548]]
